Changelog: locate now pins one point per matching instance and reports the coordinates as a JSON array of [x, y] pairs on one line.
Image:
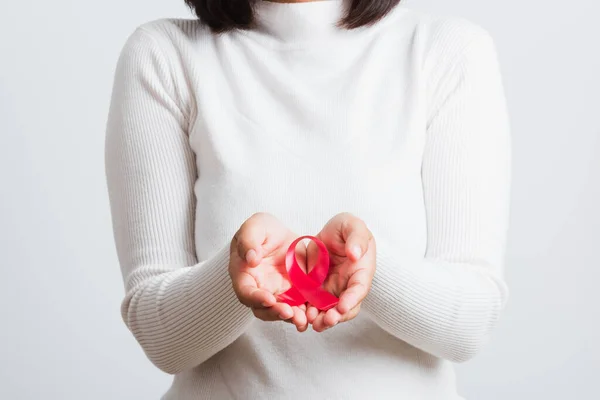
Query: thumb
[[357, 237], [249, 239]]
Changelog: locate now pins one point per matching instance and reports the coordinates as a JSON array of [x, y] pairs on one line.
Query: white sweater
[[403, 124]]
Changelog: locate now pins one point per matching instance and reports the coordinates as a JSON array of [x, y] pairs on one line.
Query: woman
[[381, 130]]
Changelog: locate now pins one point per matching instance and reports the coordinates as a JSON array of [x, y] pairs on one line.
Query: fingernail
[[265, 304], [250, 255], [281, 316], [356, 251]]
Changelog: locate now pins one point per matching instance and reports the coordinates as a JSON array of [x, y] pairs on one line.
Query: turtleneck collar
[[303, 22]]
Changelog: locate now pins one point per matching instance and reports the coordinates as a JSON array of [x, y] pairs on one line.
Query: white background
[[61, 334]]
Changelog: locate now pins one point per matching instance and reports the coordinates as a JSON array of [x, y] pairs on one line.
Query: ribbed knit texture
[[403, 123]]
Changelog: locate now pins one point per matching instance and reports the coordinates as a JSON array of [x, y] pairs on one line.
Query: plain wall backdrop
[[61, 334]]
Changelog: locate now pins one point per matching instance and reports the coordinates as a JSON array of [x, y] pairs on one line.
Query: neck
[[300, 21]]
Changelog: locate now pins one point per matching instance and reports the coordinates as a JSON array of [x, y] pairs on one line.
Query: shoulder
[[448, 39], [159, 52], [166, 41], [438, 39], [166, 34], [452, 31]]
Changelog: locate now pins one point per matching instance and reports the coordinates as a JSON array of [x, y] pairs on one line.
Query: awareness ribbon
[[307, 287]]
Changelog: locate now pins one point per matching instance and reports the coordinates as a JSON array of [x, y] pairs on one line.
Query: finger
[[266, 314], [356, 236], [299, 319], [319, 324], [249, 239], [311, 314], [332, 318], [255, 233], [350, 315], [277, 312], [283, 310], [247, 291], [358, 287], [255, 297]]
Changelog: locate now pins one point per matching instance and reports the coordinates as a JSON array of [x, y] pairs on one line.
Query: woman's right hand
[[258, 272]]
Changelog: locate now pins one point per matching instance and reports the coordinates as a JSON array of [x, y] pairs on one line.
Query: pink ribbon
[[306, 288]]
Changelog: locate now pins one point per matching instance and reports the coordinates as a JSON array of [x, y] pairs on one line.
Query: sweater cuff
[[213, 287], [183, 317], [386, 288], [444, 308]]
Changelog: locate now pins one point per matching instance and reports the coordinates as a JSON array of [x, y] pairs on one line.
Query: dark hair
[[225, 15]]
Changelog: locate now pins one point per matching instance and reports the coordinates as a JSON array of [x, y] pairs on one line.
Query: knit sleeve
[[180, 310], [448, 302]]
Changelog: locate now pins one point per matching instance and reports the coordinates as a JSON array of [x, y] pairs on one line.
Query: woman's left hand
[[351, 247]]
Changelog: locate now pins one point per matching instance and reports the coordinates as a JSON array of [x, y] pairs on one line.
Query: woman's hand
[[352, 252], [258, 272]]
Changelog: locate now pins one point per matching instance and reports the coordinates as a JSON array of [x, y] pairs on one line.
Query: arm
[[448, 302], [181, 311]]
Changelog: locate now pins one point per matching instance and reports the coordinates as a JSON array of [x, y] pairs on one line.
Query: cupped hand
[[352, 253], [257, 268]]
